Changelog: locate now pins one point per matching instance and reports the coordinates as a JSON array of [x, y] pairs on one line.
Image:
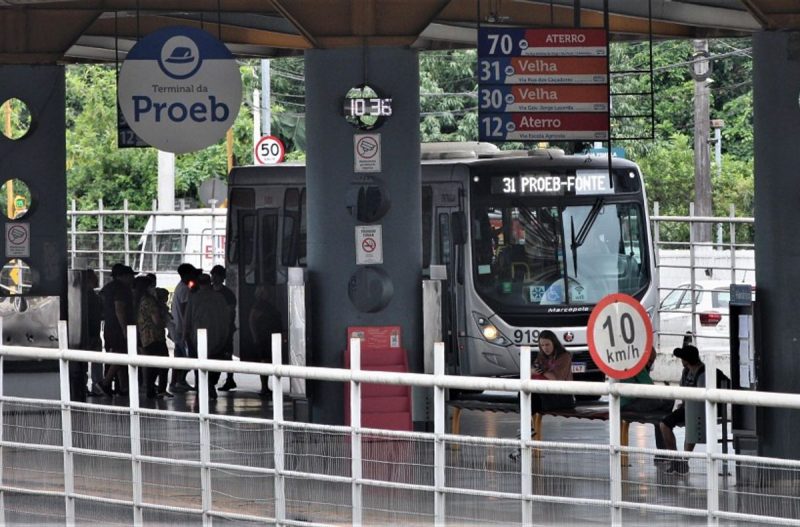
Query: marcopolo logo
[[180, 89]]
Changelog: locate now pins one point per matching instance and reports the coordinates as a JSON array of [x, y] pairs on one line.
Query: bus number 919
[[526, 336]]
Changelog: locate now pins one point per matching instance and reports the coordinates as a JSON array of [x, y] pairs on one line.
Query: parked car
[[710, 333]]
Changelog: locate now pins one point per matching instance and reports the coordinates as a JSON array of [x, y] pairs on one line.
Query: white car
[[710, 310]]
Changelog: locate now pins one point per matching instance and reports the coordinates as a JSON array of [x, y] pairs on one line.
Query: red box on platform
[[382, 405]]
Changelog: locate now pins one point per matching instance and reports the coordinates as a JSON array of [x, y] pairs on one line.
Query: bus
[[195, 236], [530, 241]]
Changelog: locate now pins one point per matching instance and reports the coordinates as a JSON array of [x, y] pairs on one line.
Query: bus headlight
[[489, 331]]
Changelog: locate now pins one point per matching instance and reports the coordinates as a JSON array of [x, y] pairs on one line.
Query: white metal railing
[[292, 473], [688, 261], [102, 246]]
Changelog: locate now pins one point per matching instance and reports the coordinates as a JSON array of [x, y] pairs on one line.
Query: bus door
[[446, 205], [256, 270]]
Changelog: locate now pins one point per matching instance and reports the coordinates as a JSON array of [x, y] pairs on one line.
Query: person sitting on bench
[[554, 363], [644, 406], [693, 367]]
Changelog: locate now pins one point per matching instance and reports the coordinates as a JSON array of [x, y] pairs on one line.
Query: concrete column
[[776, 73], [331, 182], [39, 159]]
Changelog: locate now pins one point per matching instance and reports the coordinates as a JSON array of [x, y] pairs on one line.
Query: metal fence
[[151, 241], [685, 263], [68, 462]]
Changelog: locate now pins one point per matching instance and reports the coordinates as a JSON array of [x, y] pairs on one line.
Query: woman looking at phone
[[553, 363]]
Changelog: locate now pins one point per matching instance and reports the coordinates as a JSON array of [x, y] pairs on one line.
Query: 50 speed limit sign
[[620, 336], [269, 150]]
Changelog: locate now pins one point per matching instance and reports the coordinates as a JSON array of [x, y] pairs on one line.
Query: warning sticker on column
[[18, 240], [367, 152], [369, 245]]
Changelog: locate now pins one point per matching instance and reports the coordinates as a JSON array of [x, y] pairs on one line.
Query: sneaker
[[166, 394], [230, 384]]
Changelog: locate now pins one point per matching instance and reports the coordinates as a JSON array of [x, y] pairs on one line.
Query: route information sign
[[620, 336], [542, 84]]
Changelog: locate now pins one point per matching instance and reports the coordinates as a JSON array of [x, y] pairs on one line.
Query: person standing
[[95, 318], [151, 324], [118, 314], [180, 299], [264, 319], [218, 276], [207, 310]]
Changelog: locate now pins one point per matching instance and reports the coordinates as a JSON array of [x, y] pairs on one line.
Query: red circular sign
[[620, 336], [368, 245], [269, 150]]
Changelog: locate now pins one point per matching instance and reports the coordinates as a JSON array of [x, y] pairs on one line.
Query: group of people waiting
[[554, 362], [199, 301]]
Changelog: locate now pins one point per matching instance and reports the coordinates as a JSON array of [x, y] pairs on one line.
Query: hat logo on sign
[[180, 57]]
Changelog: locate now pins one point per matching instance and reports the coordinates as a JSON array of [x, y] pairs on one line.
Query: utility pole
[[701, 71]]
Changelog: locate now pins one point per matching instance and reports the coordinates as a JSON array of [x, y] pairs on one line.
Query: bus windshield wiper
[[583, 232]]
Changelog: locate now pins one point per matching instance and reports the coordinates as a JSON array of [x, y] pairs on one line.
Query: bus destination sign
[[583, 182], [543, 84]]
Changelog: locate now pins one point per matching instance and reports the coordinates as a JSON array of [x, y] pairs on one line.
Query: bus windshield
[[528, 254]]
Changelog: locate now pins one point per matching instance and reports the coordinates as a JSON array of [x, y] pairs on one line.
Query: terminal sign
[[620, 336], [179, 89]]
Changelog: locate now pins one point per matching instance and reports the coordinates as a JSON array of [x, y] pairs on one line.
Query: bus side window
[[247, 246], [444, 239], [427, 224], [291, 213], [269, 246], [240, 198]]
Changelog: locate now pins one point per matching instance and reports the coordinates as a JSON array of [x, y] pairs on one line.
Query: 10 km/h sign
[[620, 336]]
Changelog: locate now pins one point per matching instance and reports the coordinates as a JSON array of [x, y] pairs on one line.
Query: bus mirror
[[458, 224]]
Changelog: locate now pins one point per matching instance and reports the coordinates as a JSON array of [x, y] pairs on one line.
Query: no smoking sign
[[369, 245], [620, 336]]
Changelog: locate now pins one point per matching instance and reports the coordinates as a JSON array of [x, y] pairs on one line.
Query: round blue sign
[[180, 89]]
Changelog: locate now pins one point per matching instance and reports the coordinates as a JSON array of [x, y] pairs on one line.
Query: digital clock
[[365, 109], [371, 106]]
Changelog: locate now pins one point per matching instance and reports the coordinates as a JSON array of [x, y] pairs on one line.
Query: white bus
[[530, 242], [195, 236]]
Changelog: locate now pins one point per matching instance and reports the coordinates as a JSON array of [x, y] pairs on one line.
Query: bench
[[510, 404]]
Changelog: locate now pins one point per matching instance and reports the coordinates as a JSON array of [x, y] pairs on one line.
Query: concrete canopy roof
[[50, 31]]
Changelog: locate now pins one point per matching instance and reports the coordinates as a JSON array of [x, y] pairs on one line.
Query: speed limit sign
[[269, 150], [620, 336]]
